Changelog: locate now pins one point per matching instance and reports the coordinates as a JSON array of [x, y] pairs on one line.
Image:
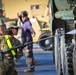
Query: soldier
[[2, 25], [8, 41]]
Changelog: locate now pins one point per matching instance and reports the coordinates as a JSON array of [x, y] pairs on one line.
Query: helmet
[[11, 25]]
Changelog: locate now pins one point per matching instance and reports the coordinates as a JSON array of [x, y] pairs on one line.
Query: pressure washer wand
[[24, 45], [19, 46]]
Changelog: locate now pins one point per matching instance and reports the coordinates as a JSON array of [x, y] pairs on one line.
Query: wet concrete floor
[[44, 66]]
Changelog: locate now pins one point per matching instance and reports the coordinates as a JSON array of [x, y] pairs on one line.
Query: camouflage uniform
[[3, 27], [3, 19], [7, 64]]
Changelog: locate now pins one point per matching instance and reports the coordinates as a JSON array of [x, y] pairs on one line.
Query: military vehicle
[[63, 20]]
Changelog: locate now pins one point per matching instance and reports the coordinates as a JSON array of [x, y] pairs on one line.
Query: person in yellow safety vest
[[8, 41]]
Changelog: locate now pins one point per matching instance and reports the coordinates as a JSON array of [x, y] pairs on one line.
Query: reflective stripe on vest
[[9, 44]]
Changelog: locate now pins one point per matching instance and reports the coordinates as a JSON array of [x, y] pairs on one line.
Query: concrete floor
[[45, 66]]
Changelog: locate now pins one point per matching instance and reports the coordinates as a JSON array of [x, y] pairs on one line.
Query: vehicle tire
[[62, 47], [74, 59], [66, 56], [69, 59], [57, 51], [45, 41]]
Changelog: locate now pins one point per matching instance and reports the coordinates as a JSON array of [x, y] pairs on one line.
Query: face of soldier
[[15, 31]]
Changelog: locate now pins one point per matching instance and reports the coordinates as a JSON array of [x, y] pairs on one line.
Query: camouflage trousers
[[7, 65], [9, 72]]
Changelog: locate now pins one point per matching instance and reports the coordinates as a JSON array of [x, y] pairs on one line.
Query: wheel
[[74, 59], [57, 51], [69, 59], [45, 41], [62, 45]]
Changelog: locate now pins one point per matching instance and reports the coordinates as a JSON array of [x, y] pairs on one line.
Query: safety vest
[[9, 44]]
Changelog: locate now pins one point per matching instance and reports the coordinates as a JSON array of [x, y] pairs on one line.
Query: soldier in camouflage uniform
[[7, 64], [2, 26], [3, 19]]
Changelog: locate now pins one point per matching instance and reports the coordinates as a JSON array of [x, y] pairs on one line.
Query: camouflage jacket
[[14, 42], [3, 43], [7, 59]]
